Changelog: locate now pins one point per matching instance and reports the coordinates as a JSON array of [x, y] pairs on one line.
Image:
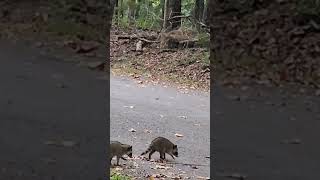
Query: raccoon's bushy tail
[[145, 152]]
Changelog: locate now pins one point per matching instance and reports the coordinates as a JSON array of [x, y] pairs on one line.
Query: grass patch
[[118, 176]]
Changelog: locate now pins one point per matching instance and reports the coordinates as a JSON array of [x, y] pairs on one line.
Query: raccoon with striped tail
[[163, 146]]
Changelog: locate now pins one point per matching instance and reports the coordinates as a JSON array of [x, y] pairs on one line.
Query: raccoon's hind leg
[[118, 160], [151, 152], [162, 155]]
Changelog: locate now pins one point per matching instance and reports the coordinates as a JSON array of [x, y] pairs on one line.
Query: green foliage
[[206, 58], [187, 7], [116, 176], [150, 13], [204, 39], [123, 22]]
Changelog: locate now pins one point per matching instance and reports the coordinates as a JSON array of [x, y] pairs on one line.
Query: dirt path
[[157, 111]]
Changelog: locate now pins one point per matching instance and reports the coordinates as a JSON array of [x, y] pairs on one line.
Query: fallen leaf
[[178, 135], [194, 167], [118, 169], [147, 131], [131, 107], [161, 167], [184, 117]]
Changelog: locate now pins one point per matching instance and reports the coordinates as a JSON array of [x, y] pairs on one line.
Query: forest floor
[[186, 68]]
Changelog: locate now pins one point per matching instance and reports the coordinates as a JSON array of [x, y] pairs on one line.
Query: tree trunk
[[198, 12], [116, 11], [120, 9], [175, 10], [165, 14], [138, 6], [162, 2], [132, 8], [205, 13]]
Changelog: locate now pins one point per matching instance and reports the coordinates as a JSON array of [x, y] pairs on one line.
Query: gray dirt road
[[163, 112], [43, 100]]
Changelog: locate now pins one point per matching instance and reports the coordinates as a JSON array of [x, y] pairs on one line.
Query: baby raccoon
[[118, 149], [163, 146]]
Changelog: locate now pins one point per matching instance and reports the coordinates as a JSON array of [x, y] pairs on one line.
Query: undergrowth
[[117, 176]]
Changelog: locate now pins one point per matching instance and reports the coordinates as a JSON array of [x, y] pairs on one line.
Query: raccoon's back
[[115, 148], [161, 143]]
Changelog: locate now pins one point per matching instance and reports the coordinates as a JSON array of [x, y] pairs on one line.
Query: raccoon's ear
[[174, 146]]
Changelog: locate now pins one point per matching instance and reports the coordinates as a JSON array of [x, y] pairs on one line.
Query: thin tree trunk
[[138, 6], [175, 8], [120, 9], [131, 14], [165, 14], [198, 12], [205, 13], [116, 11], [162, 2]]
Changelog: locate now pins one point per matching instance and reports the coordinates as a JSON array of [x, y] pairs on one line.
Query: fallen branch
[[149, 41], [175, 17]]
